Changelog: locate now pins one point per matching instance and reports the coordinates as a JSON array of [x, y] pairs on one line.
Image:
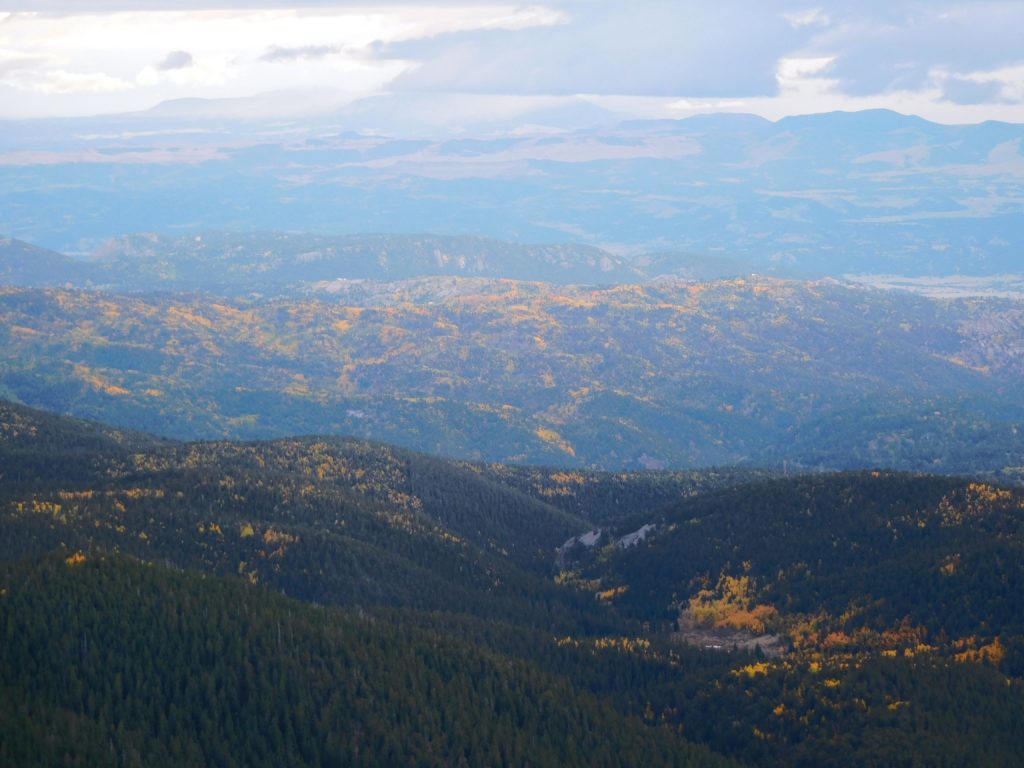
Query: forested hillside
[[326, 520], [843, 561], [107, 661], [277, 263], [663, 375], [486, 614]]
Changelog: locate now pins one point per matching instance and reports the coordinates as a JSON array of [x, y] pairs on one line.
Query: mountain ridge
[[237, 264]]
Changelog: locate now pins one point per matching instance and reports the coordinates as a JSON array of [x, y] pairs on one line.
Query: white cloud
[[223, 53], [19, 61], [62, 81], [532, 16], [1004, 85], [813, 17], [798, 69], [25, 71]]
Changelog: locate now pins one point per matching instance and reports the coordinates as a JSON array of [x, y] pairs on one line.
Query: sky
[[952, 62]]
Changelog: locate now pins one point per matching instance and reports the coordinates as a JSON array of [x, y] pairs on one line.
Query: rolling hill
[[664, 374], [335, 521], [143, 620], [278, 263]]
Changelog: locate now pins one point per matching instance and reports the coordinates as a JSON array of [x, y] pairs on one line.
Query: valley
[[443, 385]]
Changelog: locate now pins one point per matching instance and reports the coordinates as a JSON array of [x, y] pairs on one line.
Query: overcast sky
[[947, 61]]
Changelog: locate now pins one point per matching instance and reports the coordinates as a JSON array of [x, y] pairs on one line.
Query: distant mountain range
[[866, 192]]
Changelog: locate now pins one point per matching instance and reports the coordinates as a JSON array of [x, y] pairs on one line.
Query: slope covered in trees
[[327, 520], [278, 263], [668, 374], [107, 661], [887, 607], [843, 561]]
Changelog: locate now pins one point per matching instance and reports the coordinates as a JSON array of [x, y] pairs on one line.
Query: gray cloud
[[302, 52], [729, 48], [962, 91], [900, 45], [726, 49], [176, 60]]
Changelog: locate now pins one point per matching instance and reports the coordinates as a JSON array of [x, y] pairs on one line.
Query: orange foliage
[[549, 435], [731, 604], [837, 639], [96, 382], [753, 670], [188, 317], [608, 594], [993, 652]]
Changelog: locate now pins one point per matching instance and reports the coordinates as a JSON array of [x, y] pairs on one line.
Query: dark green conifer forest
[[323, 602]]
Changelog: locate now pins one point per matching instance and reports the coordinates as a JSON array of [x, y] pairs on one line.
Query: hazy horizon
[[523, 123], [949, 62]]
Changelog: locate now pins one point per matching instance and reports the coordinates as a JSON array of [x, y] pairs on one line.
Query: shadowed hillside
[[543, 613]]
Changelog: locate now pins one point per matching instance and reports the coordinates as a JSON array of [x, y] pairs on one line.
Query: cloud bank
[[953, 58]]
